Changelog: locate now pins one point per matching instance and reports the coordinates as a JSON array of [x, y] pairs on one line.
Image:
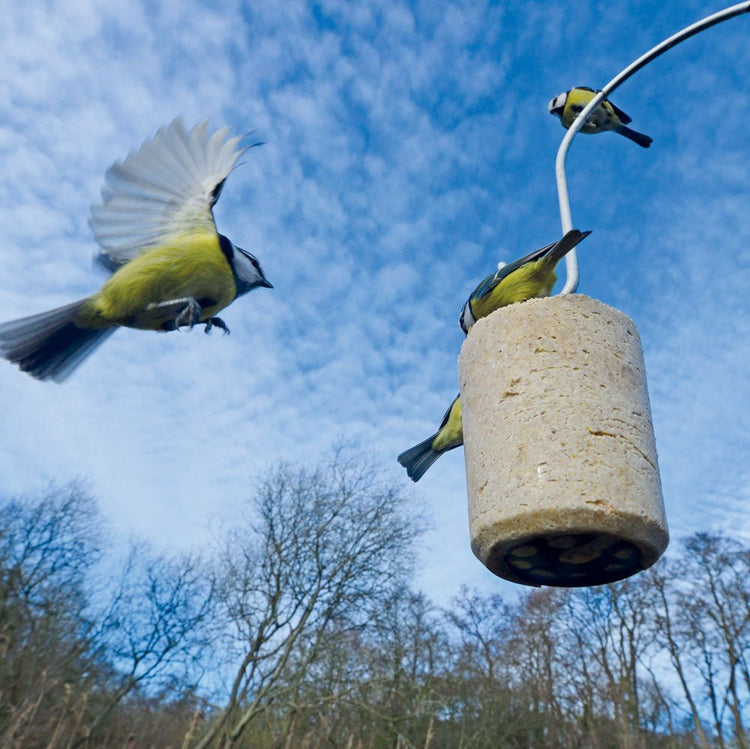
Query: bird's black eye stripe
[[226, 247], [253, 260]]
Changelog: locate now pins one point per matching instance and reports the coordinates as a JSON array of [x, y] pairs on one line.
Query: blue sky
[[408, 150]]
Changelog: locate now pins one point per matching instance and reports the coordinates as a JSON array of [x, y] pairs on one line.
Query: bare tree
[[717, 620], [46, 545], [483, 635], [483, 627], [152, 628], [669, 633], [615, 622], [538, 654], [66, 659], [320, 546], [406, 657], [312, 636], [379, 682]]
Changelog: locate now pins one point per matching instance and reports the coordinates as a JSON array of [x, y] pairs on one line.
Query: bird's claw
[[189, 316], [216, 322]]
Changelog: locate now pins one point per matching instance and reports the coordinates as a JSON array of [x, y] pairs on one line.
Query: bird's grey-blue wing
[[489, 283], [625, 118]]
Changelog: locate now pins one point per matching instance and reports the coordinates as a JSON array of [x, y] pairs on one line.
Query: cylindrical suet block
[[561, 465]]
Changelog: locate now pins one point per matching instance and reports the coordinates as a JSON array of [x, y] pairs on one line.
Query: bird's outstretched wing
[[165, 188]]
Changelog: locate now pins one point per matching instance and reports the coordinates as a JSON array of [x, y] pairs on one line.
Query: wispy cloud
[[408, 149]]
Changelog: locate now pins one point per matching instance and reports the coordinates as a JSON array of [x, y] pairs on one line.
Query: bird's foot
[[216, 322], [190, 314]]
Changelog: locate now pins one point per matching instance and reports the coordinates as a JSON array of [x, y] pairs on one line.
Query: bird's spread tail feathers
[[419, 458], [49, 346], [642, 140]]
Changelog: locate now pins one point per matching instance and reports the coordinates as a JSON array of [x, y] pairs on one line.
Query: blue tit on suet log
[[529, 277], [606, 116], [155, 230], [450, 434]]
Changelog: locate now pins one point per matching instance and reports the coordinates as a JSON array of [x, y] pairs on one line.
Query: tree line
[[300, 627]]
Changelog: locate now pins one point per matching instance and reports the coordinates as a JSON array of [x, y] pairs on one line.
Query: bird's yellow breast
[[602, 118], [451, 433], [191, 265]]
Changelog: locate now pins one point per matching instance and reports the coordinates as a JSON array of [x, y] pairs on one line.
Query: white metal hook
[[571, 259]]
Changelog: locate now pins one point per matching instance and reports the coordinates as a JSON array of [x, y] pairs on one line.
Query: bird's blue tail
[[49, 346], [419, 458], [642, 140]]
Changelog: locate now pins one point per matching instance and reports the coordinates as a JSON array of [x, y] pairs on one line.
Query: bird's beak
[[266, 284]]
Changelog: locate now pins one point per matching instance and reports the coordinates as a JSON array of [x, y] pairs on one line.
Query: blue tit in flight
[[528, 277], [606, 116], [449, 435], [156, 232]]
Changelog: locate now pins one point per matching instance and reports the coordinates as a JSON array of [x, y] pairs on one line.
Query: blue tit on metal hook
[[605, 117], [156, 232]]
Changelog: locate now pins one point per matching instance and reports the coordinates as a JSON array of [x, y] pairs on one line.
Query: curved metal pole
[[571, 259]]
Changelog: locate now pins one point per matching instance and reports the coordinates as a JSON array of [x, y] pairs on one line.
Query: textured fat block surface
[[558, 439]]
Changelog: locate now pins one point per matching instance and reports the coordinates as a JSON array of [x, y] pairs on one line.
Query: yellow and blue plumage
[[529, 277], [156, 232], [449, 435], [605, 117]]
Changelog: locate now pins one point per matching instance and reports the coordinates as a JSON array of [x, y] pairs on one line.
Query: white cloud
[[408, 150]]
